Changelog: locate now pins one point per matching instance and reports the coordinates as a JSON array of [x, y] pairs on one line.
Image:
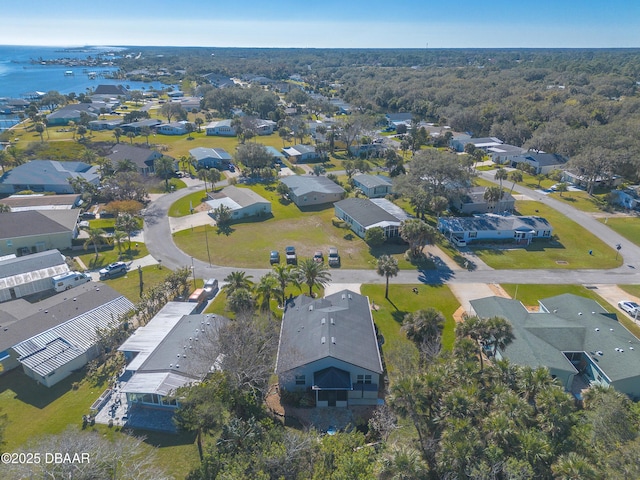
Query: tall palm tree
[[285, 275], [313, 274], [501, 174], [128, 224], [214, 176], [267, 288], [163, 168], [96, 237], [515, 177], [387, 267], [202, 175], [237, 280], [492, 195], [118, 132], [118, 237]]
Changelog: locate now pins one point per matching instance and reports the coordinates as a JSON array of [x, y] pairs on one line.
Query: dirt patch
[[202, 207], [498, 290], [459, 314]]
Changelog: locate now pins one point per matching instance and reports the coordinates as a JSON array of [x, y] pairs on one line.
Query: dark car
[[274, 257], [113, 269], [290, 254]]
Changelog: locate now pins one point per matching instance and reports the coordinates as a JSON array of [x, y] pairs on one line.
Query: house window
[[546, 233], [363, 379], [473, 234], [9, 243], [301, 380]]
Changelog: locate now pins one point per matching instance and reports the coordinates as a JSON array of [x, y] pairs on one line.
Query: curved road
[[159, 242]]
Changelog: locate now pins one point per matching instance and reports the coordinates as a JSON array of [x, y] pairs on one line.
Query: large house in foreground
[[47, 176], [574, 337], [20, 276], [361, 214], [329, 346], [307, 190], [31, 231]]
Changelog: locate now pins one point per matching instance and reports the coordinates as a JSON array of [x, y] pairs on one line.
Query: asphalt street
[[159, 241]]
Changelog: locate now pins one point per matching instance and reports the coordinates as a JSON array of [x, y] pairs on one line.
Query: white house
[[20, 276], [329, 346], [243, 202], [173, 128], [627, 197], [362, 214], [301, 153], [373, 186], [221, 128], [489, 226]]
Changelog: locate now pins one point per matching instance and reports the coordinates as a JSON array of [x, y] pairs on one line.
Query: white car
[[632, 308]]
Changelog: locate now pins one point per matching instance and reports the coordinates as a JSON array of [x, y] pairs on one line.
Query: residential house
[[143, 158], [362, 214], [21, 203], [276, 155], [58, 335], [162, 356], [574, 337], [301, 153], [173, 128], [73, 113], [20, 276], [368, 150], [341, 106], [373, 186], [460, 141], [22, 233], [47, 176], [265, 127], [473, 201], [540, 162], [396, 119], [307, 190], [628, 197], [577, 179], [211, 157], [136, 127], [503, 154], [98, 125], [243, 202], [217, 80], [221, 128], [111, 91], [492, 227], [329, 346]]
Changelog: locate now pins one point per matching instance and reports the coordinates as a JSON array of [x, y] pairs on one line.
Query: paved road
[[161, 246]]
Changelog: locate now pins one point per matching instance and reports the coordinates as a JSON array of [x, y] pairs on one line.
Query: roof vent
[[599, 352], [611, 329], [344, 296], [171, 365], [311, 308], [597, 329], [177, 366], [323, 321], [333, 322], [630, 348], [323, 340], [579, 313], [333, 340], [349, 295]]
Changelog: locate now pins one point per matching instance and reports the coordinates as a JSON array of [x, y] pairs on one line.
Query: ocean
[[21, 72]]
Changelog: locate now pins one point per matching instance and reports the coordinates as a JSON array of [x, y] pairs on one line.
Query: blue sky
[[324, 23]]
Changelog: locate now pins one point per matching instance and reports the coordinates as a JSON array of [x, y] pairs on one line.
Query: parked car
[[632, 308], [211, 287], [334, 258], [113, 269], [318, 257], [290, 255], [274, 257], [458, 242]]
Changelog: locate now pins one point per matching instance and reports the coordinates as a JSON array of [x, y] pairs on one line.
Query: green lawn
[[248, 243], [568, 249], [403, 300], [159, 186], [581, 200], [110, 254], [129, 284], [628, 227], [631, 289], [181, 207]]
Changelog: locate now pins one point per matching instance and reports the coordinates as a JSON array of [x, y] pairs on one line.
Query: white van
[[69, 280]]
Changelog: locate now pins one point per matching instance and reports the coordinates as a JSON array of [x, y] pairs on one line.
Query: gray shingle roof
[[200, 153], [306, 184], [339, 326], [32, 222], [140, 156], [243, 197], [49, 172], [490, 221], [372, 181], [543, 159], [30, 263], [369, 212]]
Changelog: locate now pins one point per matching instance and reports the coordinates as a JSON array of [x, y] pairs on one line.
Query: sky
[[325, 23]]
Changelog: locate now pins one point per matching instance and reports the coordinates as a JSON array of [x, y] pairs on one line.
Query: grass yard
[[110, 254], [129, 284], [403, 300], [248, 243], [581, 200], [181, 207], [568, 249], [628, 227], [631, 289]]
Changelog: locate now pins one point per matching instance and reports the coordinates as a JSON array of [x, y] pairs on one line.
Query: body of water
[[21, 72]]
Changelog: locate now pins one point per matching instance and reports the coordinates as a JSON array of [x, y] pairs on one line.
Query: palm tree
[[163, 168], [501, 174], [313, 274], [145, 132], [241, 301], [493, 195], [202, 175], [267, 288], [118, 237], [237, 280], [96, 237], [424, 326], [131, 136], [562, 187], [285, 275], [118, 132], [128, 224], [416, 233], [515, 177], [199, 121], [214, 176], [387, 267]]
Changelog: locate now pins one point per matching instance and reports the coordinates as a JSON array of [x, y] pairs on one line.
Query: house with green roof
[[574, 337]]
